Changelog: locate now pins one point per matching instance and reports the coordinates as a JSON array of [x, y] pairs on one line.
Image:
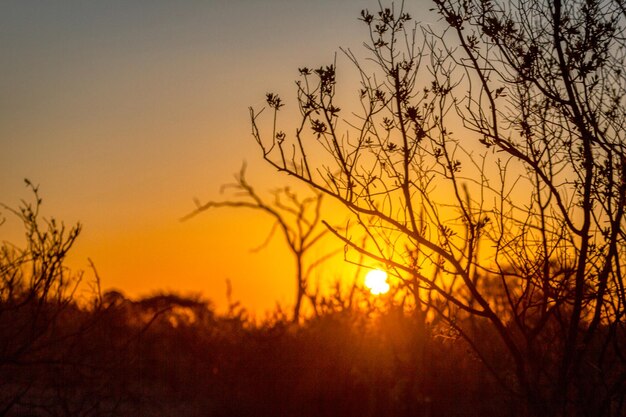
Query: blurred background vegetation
[[68, 349]]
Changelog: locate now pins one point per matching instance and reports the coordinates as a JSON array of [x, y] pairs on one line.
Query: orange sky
[[123, 112]]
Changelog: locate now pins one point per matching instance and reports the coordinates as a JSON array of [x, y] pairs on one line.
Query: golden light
[[376, 281]]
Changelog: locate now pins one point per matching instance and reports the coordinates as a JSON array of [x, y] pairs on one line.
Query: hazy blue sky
[[123, 111]]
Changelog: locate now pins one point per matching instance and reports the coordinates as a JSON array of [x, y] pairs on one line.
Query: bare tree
[[487, 166], [297, 218]]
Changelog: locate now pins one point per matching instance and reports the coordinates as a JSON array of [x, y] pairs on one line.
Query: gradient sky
[[124, 111]]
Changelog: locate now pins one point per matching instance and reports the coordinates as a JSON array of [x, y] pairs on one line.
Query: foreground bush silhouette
[[36, 299]]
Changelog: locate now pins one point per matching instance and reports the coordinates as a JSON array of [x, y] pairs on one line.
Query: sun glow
[[376, 281]]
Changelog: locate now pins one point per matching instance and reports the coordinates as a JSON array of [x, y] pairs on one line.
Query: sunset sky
[[124, 111]]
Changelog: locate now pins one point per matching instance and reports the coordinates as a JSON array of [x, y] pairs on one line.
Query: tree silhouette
[[487, 167], [297, 218]]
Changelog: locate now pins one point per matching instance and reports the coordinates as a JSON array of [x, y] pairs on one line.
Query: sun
[[376, 281]]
